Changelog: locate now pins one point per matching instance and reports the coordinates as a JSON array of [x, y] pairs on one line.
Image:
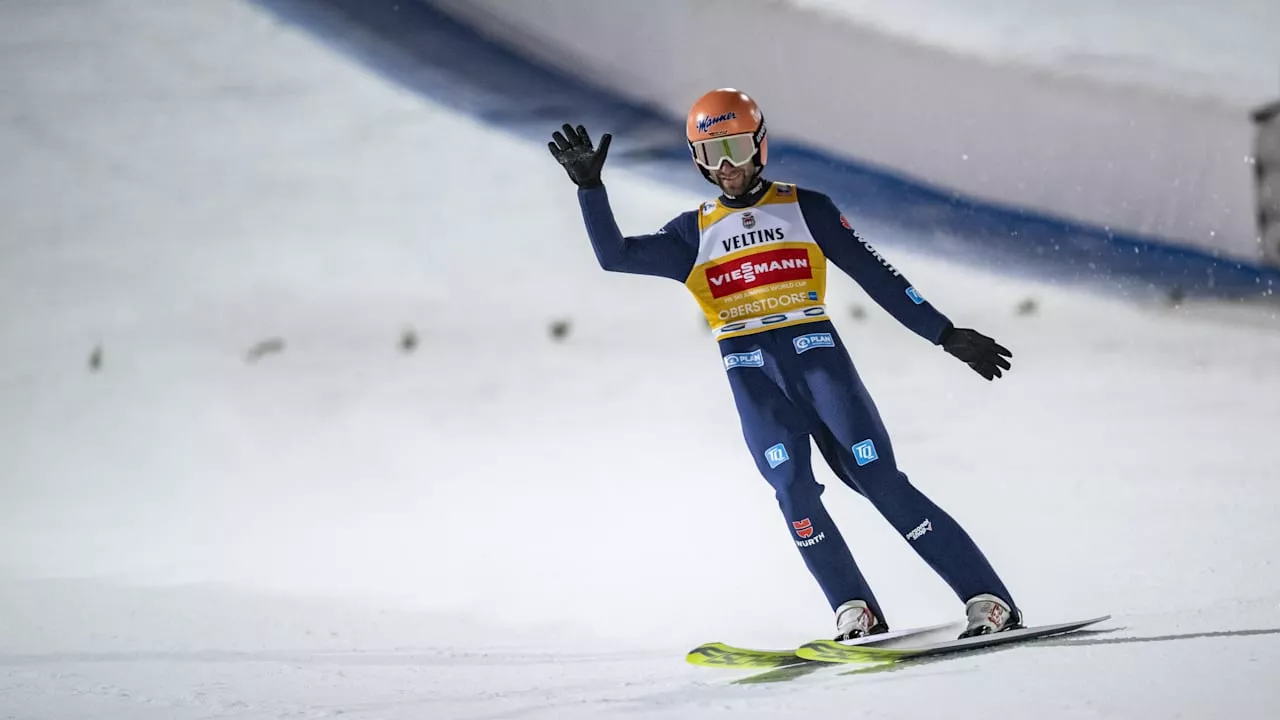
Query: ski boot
[[989, 614], [854, 620]]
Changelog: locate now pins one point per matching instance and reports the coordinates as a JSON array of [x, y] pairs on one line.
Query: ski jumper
[[758, 269]]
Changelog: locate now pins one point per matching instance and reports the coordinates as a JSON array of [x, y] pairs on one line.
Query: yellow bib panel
[[758, 268]]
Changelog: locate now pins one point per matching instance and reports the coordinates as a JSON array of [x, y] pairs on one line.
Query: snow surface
[[499, 525], [1224, 49]]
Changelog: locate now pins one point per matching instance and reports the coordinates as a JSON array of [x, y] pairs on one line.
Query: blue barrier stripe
[[421, 47]]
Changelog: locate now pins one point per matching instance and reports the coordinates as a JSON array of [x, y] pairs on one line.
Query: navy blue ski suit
[[793, 380]]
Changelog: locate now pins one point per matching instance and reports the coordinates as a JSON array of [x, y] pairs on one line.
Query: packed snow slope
[[233, 485]]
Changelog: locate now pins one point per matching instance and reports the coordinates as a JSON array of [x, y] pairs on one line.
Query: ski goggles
[[737, 149]]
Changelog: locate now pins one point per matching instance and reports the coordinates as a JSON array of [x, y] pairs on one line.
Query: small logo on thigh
[[920, 530], [915, 296], [805, 343], [865, 453], [748, 359], [776, 455], [803, 528], [811, 541]]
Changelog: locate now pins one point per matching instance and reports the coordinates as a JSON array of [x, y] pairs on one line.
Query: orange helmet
[[726, 125]]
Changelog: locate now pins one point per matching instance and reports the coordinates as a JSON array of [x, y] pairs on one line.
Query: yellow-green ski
[[726, 656], [720, 655]]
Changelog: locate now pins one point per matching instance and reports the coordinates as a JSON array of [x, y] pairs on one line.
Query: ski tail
[[833, 652]]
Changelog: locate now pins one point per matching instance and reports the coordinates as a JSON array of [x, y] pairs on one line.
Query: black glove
[[983, 354], [573, 150]]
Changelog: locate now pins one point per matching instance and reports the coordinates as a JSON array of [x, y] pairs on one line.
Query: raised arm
[[670, 252]]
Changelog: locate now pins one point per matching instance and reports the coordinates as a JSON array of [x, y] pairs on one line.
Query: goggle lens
[[737, 149]]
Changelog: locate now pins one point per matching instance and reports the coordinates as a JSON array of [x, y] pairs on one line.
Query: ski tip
[[704, 653], [721, 655]]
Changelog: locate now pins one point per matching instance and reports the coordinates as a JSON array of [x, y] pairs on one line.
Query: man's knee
[[885, 485], [795, 489]]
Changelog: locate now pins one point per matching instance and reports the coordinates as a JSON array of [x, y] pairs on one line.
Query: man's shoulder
[[684, 225], [784, 192], [809, 195], [711, 212]]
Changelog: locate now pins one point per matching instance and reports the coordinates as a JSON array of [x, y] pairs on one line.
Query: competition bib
[[758, 268]]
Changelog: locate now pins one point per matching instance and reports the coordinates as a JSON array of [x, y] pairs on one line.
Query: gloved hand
[[983, 354], [573, 150]]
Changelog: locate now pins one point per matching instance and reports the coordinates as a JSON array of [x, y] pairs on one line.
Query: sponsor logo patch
[[764, 305], [996, 615], [747, 359], [813, 295], [708, 208], [803, 528], [706, 123], [811, 541], [805, 343], [915, 296], [865, 453], [845, 222], [920, 530], [879, 258], [748, 220], [763, 268], [776, 455], [745, 240]]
